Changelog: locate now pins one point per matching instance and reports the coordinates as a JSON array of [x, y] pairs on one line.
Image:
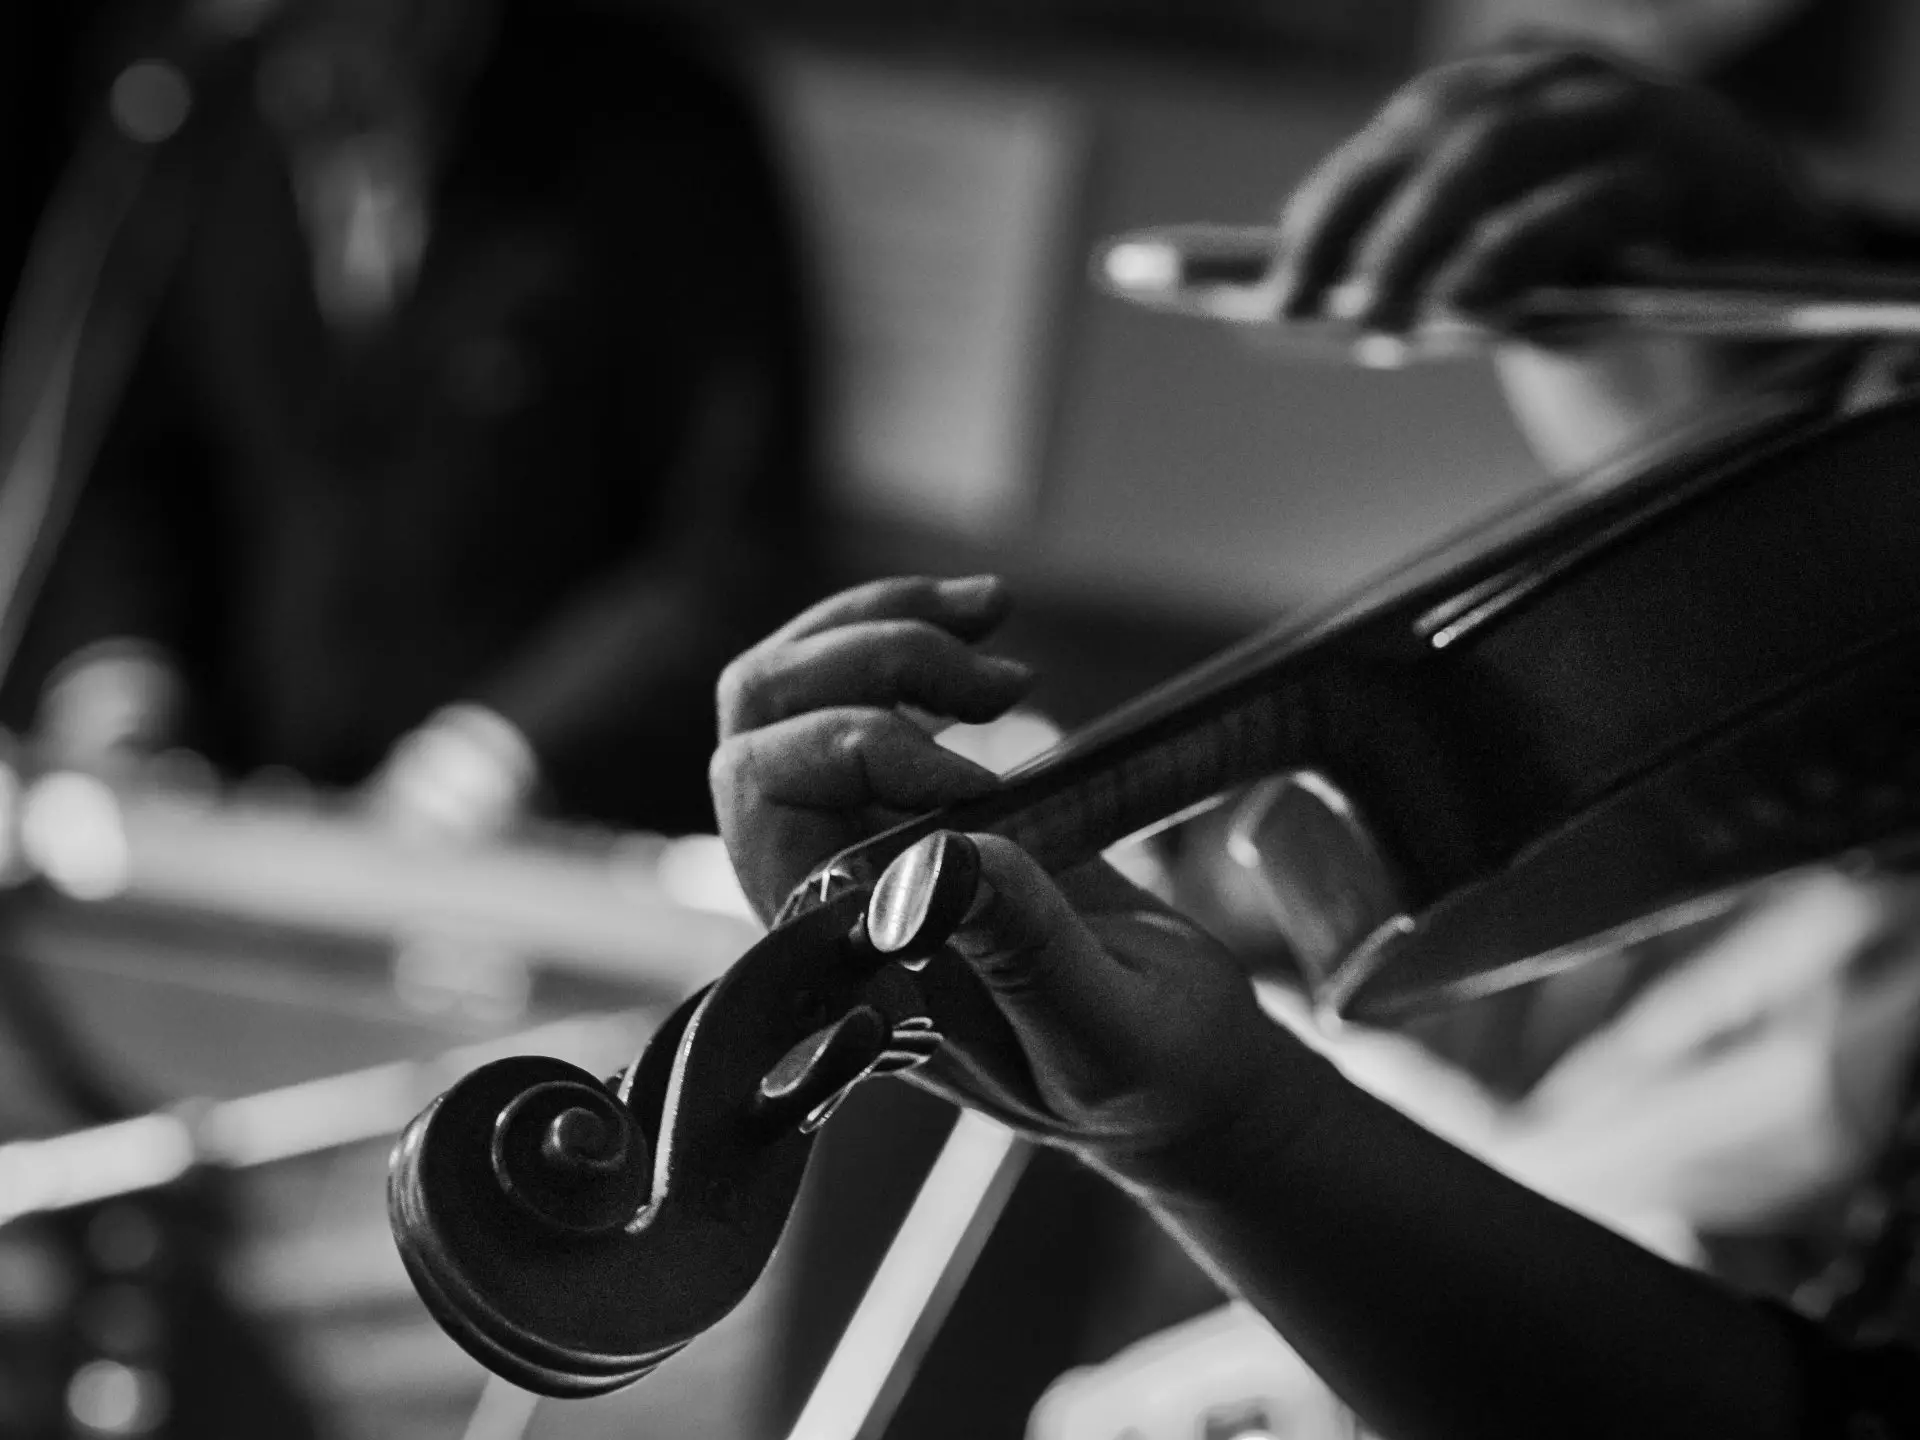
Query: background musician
[[474, 434]]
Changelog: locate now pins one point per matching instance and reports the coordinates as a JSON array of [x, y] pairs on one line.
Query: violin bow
[[1224, 272]]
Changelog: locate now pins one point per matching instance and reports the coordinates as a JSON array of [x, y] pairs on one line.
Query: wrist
[[1290, 1091]]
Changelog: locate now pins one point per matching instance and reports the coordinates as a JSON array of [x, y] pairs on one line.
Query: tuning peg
[[808, 1082], [922, 897]]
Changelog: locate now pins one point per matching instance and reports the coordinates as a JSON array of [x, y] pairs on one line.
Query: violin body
[[1711, 679], [1612, 703]]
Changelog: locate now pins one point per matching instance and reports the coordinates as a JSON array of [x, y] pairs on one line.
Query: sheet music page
[[941, 207]]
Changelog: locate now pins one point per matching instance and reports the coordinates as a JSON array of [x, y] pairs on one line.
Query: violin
[[1608, 708]]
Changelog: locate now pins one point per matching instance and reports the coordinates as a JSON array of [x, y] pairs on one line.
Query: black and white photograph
[[966, 720]]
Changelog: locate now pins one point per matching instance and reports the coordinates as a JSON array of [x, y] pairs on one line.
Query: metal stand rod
[[929, 1260]]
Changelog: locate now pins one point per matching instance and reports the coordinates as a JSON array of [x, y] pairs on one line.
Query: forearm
[[628, 665], [606, 654], [1442, 1299], [606, 711], [614, 695]]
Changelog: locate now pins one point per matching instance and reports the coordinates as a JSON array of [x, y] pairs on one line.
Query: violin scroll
[[572, 1234], [571, 1156], [523, 1169]]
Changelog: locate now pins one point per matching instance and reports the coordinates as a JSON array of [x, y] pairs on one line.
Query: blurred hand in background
[[1544, 162]]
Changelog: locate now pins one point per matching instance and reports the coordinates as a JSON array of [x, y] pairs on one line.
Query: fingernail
[[1005, 670], [970, 589], [1379, 351], [1350, 299], [972, 938]]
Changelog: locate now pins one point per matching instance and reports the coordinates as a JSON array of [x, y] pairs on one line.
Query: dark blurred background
[[446, 420]]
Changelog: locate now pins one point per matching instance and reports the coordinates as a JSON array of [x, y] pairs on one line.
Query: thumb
[[1062, 992]]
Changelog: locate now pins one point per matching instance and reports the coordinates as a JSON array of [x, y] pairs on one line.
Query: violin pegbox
[[913, 909], [572, 1234]]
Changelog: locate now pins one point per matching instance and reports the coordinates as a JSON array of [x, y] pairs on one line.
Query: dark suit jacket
[[568, 481]]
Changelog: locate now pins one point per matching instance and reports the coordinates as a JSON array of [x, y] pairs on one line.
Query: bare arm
[[1438, 1296]]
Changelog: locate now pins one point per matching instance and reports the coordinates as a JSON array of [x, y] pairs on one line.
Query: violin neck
[[1071, 811], [1156, 761]]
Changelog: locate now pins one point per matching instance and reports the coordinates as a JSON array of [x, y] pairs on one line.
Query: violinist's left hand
[[815, 753], [1128, 1034], [1116, 1027]]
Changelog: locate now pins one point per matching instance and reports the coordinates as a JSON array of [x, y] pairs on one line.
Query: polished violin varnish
[[1605, 710]]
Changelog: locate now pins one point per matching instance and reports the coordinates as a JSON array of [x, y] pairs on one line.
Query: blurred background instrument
[[334, 961]]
